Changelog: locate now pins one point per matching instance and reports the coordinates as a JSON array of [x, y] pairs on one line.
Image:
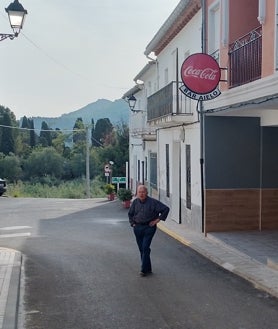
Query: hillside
[[117, 111]]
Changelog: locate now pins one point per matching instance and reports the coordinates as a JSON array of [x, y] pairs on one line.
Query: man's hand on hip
[[154, 222]]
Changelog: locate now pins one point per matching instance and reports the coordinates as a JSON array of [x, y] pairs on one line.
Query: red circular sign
[[200, 73]]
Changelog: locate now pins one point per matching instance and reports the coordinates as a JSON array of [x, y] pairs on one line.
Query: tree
[[43, 162], [92, 130], [103, 128], [58, 142], [45, 135], [7, 137], [32, 133], [79, 133], [28, 134], [118, 152], [10, 167]]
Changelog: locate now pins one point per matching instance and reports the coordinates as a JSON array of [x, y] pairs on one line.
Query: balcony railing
[[245, 58], [139, 132], [168, 101]]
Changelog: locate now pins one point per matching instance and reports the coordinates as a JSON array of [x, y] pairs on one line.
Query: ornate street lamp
[[131, 102], [16, 14]]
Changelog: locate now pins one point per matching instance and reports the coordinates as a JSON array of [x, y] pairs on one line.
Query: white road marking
[[10, 228], [14, 235]]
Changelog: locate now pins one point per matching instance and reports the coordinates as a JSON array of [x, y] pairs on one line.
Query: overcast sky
[[71, 53]]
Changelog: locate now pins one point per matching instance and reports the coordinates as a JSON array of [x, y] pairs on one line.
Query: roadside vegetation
[[52, 164]]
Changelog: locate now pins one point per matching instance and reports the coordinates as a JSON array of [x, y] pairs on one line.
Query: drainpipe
[[202, 123], [178, 111]]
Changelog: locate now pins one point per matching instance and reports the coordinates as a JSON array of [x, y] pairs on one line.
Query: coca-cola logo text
[[206, 73], [200, 73]]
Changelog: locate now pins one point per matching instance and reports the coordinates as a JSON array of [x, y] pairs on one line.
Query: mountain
[[117, 111]]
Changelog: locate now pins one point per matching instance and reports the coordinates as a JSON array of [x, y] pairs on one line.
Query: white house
[[165, 125]]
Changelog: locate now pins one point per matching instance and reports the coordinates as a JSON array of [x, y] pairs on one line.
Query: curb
[[10, 320]]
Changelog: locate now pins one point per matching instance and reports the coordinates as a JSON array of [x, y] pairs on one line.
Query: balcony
[[245, 59], [169, 105], [143, 133]]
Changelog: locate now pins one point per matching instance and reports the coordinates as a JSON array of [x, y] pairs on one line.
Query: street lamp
[[16, 14], [110, 170], [131, 102]]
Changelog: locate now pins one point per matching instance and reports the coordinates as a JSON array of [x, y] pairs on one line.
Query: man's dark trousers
[[144, 235]]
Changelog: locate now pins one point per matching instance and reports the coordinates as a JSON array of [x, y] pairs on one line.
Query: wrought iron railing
[[245, 58], [168, 101]]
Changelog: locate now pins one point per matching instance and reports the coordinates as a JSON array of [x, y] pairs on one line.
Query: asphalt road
[[81, 271]]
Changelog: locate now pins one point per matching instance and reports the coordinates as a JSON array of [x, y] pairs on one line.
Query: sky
[[72, 53]]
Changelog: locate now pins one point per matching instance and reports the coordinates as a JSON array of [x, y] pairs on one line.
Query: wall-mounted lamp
[[131, 102], [16, 14]]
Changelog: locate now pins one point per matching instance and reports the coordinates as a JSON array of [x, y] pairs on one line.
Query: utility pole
[[88, 162]]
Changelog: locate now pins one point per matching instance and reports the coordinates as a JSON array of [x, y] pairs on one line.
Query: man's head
[[142, 192]]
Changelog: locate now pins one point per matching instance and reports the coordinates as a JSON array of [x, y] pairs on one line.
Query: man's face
[[142, 193]]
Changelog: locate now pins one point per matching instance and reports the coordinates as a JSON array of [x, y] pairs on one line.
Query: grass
[[75, 189]]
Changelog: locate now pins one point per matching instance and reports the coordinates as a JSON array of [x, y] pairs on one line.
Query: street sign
[[118, 180], [107, 168]]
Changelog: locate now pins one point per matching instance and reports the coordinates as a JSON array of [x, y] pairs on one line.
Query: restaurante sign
[[200, 74]]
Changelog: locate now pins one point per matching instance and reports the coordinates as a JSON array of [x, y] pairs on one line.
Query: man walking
[[145, 212]]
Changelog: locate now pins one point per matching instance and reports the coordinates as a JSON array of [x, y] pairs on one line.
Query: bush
[[109, 188], [124, 194], [74, 189]]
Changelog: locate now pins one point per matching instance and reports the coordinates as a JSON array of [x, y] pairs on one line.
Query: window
[[149, 91], [146, 168], [166, 77], [153, 170], [214, 28], [167, 172], [138, 171], [143, 172]]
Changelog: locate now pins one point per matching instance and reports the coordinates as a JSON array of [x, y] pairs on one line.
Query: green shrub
[[109, 188], [124, 194], [74, 189]]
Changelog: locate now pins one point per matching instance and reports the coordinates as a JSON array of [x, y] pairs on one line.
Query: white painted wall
[[188, 42]]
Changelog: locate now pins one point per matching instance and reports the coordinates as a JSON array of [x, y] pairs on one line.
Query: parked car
[[3, 186]]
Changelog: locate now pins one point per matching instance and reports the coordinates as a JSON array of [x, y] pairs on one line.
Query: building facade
[[216, 167], [241, 133]]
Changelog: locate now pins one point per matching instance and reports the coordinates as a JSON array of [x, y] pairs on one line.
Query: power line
[[61, 130], [53, 59], [51, 130]]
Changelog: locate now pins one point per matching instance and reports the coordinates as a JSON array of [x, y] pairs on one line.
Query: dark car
[[3, 186]]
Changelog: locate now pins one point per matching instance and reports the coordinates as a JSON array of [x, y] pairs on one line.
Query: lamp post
[[16, 14], [111, 170]]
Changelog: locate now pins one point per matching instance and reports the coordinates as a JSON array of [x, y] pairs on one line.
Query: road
[[81, 271]]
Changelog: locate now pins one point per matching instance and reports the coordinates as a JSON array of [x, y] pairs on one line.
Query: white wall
[[188, 42]]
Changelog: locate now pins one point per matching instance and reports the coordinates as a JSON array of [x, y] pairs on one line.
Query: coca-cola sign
[[200, 74]]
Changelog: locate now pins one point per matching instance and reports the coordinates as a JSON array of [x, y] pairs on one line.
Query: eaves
[[182, 14], [144, 70], [133, 91]]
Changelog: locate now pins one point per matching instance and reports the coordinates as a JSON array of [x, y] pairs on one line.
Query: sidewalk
[[224, 253], [10, 267]]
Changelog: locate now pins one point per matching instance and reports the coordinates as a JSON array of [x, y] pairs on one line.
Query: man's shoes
[[145, 273]]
